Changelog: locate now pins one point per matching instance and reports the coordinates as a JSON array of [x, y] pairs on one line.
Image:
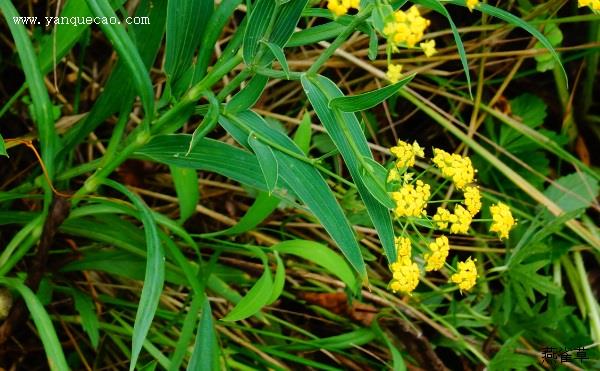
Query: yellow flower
[[403, 250], [411, 200], [461, 220], [439, 252], [466, 276], [407, 27], [341, 7], [406, 153], [503, 220], [455, 167], [442, 217], [593, 4], [393, 175], [394, 73], [472, 200], [471, 4], [428, 48], [406, 277]]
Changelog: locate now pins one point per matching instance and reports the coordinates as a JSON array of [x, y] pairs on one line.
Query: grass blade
[[266, 160], [154, 277], [205, 354], [2, 147], [89, 320], [278, 280], [370, 99], [52, 347], [188, 192], [258, 24]]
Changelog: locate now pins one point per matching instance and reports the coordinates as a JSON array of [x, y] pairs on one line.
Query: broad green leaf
[[205, 354], [303, 134], [186, 21], [187, 189], [89, 319], [52, 346], [574, 191], [302, 178], [42, 107], [209, 121], [154, 277], [438, 7], [266, 160], [280, 56], [258, 24], [374, 175], [256, 298], [320, 255], [248, 96], [2, 147], [345, 131], [370, 99], [127, 51], [278, 280]]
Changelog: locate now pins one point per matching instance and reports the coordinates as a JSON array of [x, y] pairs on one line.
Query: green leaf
[[380, 15], [127, 51], [266, 160], [320, 255], [278, 280], [573, 191], [209, 121], [374, 175], [52, 346], [508, 359], [280, 56], [205, 354], [438, 7], [256, 298], [154, 277], [187, 331], [42, 107], [345, 131], [248, 96], [187, 189], [303, 179], [315, 34], [89, 319], [370, 99], [545, 62], [2, 147], [258, 24], [303, 134], [262, 207], [186, 21]]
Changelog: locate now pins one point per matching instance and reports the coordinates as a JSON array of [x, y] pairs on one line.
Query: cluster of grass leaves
[[225, 168]]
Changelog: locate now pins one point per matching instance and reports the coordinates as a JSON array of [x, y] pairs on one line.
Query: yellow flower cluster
[[394, 73], [461, 220], [341, 7], [439, 252], [455, 167], [406, 153], [466, 275], [472, 199], [442, 217], [593, 4], [471, 4], [407, 27], [405, 271], [428, 48], [411, 200], [503, 220]]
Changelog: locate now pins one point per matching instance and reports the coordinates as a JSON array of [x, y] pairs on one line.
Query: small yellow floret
[[428, 48], [593, 4], [466, 276], [461, 220], [439, 252], [472, 199], [394, 73], [471, 4], [406, 153], [406, 277], [411, 200], [442, 217], [341, 7], [406, 27], [455, 167], [503, 220], [403, 250]]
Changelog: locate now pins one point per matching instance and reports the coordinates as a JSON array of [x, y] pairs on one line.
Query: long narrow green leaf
[[89, 319], [248, 96], [258, 24], [187, 332], [303, 179], [370, 99], [154, 277], [186, 21], [188, 192], [278, 280], [42, 107], [280, 56], [266, 160], [262, 207], [205, 354], [52, 347], [2, 147], [209, 121], [128, 52], [345, 131]]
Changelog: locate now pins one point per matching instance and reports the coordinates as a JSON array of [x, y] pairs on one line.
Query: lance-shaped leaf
[[266, 160], [370, 99]]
